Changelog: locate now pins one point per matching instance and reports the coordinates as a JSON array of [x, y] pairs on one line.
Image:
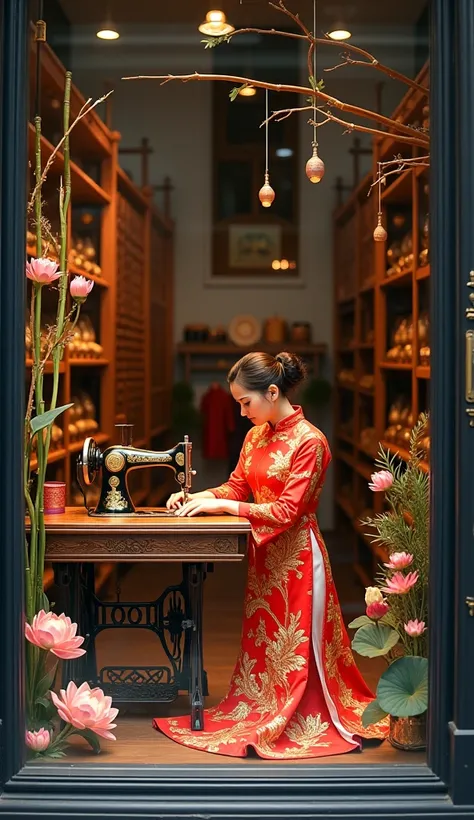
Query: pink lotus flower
[[381, 481], [377, 610], [86, 708], [42, 271], [414, 628], [80, 288], [399, 560], [56, 633], [400, 584], [38, 741]]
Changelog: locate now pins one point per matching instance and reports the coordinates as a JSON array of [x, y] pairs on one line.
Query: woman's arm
[[271, 519]]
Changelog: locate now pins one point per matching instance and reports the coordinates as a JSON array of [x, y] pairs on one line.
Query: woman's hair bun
[[294, 370]]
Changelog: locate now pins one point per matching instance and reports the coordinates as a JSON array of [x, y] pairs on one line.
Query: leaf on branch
[[316, 85], [236, 91], [212, 42], [45, 419]]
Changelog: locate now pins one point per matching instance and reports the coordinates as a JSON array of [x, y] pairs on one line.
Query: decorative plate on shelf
[[245, 330]]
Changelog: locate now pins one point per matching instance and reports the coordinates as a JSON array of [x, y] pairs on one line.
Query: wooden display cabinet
[[381, 328], [128, 375]]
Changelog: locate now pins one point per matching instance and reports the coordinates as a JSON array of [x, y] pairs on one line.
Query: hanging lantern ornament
[[266, 193], [315, 166], [380, 234]]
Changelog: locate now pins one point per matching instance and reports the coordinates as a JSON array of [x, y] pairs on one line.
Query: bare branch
[[412, 136], [351, 126], [82, 113]]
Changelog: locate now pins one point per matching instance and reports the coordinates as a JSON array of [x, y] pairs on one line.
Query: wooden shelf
[[423, 273], [396, 366], [194, 352], [361, 267], [135, 284], [398, 279], [88, 362], [85, 189], [48, 367]]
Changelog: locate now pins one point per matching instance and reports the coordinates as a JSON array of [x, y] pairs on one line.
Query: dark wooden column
[[13, 161]]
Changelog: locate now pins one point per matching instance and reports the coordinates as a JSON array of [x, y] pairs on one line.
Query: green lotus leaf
[[373, 640], [403, 688], [362, 620], [372, 714]]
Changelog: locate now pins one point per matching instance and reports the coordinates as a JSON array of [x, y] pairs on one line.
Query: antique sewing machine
[[114, 464]]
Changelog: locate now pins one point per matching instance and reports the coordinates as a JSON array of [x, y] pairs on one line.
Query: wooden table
[[76, 542]]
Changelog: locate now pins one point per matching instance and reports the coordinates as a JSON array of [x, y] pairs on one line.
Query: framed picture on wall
[[254, 246]]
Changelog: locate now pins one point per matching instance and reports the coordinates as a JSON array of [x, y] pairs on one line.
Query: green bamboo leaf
[[372, 714], [236, 91], [373, 640], [45, 419], [362, 620], [403, 688]]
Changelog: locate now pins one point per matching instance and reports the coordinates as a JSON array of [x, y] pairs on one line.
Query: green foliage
[[316, 85], [185, 416], [405, 528], [372, 714], [236, 91], [91, 738], [403, 688], [316, 393], [43, 420], [374, 639], [213, 42]]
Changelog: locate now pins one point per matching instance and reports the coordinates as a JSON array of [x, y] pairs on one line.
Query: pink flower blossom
[[400, 584], [399, 560], [377, 610], [414, 628], [381, 481], [38, 741], [80, 288], [56, 633], [86, 708], [42, 271]]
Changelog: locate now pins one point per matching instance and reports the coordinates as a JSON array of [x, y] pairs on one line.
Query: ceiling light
[[284, 152], [248, 91], [339, 32], [108, 31], [216, 24]]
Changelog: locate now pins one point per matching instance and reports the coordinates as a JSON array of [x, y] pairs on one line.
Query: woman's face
[[257, 407]]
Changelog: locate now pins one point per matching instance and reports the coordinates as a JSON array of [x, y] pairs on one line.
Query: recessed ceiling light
[[284, 152]]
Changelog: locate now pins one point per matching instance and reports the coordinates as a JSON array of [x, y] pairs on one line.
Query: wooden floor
[[137, 742]]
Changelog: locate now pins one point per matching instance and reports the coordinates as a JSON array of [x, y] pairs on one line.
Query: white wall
[[177, 120]]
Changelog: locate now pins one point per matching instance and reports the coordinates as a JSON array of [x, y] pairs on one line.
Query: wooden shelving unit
[[130, 307], [220, 356], [381, 329]]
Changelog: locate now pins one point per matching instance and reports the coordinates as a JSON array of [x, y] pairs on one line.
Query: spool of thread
[[54, 497]]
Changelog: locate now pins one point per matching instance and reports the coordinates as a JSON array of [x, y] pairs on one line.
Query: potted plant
[[396, 619]]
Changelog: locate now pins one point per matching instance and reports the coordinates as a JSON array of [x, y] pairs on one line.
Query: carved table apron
[[76, 541]]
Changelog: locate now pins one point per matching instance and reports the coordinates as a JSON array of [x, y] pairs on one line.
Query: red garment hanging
[[218, 421]]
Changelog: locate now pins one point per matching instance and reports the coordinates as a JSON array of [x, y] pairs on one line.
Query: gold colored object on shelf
[[408, 733]]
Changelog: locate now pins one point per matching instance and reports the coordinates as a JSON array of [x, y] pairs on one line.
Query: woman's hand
[[175, 501], [211, 506]]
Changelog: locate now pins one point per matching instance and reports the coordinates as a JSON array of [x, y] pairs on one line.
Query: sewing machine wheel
[[90, 460]]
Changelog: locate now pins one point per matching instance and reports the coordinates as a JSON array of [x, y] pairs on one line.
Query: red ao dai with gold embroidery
[[295, 691]]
